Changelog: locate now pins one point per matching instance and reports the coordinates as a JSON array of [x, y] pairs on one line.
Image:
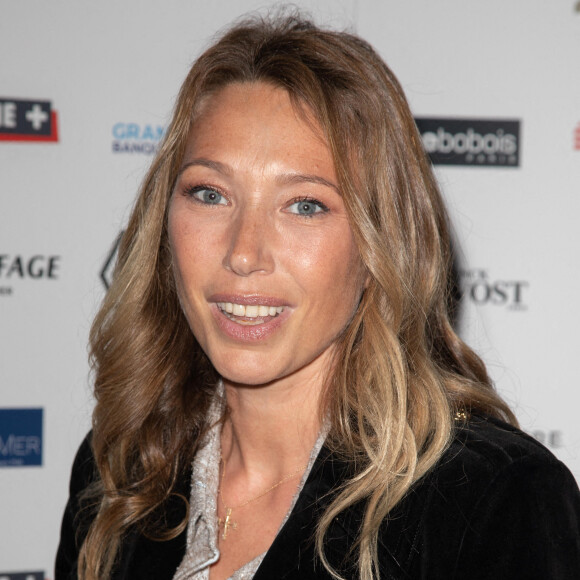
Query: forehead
[[253, 109]]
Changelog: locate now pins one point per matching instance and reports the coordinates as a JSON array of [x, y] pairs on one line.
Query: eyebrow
[[290, 178], [201, 161], [282, 179]]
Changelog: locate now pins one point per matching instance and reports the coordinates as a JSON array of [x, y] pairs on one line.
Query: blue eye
[[307, 207], [208, 196]]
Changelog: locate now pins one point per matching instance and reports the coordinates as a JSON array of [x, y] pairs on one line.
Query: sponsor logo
[[21, 575], [477, 142], [135, 138], [479, 288], [18, 267], [577, 137], [27, 120], [20, 437], [549, 438], [109, 265]]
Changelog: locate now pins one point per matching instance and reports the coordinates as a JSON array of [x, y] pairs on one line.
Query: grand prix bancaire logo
[[20, 437], [135, 138], [479, 288], [472, 142], [27, 120], [19, 267], [21, 575]]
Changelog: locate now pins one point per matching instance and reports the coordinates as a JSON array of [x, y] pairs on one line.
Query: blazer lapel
[[292, 555]]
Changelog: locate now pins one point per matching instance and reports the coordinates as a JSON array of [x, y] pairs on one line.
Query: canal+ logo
[[27, 120], [136, 138]]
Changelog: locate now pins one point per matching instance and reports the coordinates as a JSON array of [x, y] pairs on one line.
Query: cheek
[[329, 266], [179, 249], [185, 260], [189, 247]]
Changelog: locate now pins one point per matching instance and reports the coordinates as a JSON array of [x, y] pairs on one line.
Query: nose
[[249, 248]]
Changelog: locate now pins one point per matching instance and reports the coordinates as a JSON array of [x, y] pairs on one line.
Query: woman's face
[[264, 260]]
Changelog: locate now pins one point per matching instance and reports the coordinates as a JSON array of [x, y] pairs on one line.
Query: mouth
[[249, 314]]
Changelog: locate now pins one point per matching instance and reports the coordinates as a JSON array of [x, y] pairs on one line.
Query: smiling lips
[[249, 314]]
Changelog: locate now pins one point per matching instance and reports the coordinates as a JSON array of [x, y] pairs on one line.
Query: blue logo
[[20, 438], [135, 138]]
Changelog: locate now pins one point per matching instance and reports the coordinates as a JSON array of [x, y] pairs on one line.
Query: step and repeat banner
[[86, 90]]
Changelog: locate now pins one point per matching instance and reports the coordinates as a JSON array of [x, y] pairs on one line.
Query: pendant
[[227, 523]]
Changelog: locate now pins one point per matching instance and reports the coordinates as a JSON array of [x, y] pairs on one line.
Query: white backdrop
[[111, 70]]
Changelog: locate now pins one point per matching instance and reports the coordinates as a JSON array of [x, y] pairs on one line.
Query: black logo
[[109, 265], [35, 267], [26, 120], [480, 143], [479, 288], [21, 575]]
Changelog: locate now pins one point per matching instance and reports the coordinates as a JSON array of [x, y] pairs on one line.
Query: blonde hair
[[401, 372]]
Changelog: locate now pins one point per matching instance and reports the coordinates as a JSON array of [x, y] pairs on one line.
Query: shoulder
[[496, 443], [484, 448], [74, 525], [497, 504], [84, 469], [490, 463]]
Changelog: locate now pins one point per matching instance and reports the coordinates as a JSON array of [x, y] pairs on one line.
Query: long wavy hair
[[401, 371]]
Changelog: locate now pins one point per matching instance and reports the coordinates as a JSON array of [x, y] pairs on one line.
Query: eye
[[207, 195], [307, 207]]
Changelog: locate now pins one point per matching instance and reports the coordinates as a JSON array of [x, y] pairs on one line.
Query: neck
[[271, 429]]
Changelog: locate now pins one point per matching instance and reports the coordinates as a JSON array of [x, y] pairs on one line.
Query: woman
[[280, 393]]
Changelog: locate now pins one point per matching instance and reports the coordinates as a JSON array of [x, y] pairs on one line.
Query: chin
[[247, 372], [250, 379]]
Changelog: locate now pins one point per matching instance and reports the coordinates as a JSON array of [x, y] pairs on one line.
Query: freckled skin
[[262, 159]]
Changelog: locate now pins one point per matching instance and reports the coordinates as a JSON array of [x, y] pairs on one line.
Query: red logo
[[577, 137], [27, 120]]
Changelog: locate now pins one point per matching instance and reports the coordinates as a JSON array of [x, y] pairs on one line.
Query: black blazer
[[498, 506]]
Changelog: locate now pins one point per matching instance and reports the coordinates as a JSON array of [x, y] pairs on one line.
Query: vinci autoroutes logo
[[27, 120]]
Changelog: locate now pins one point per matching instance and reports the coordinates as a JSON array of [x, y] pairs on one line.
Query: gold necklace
[[227, 523]]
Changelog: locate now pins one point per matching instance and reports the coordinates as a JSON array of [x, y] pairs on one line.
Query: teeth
[[250, 310]]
